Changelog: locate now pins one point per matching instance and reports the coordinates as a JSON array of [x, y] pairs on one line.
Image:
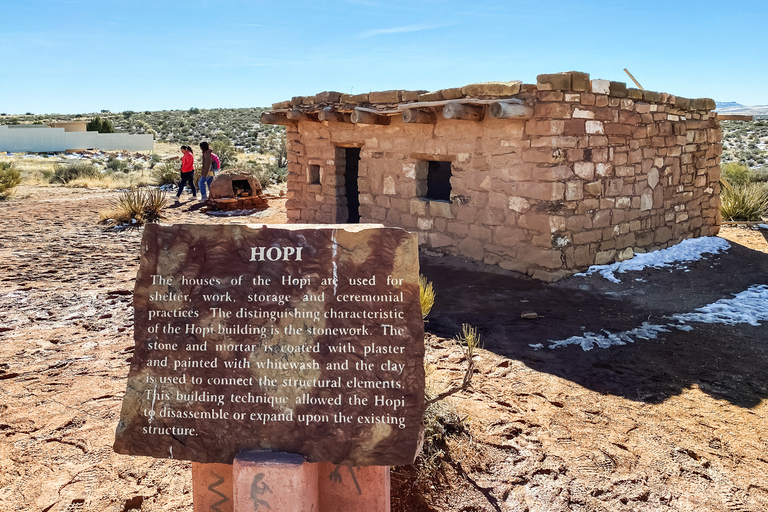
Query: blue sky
[[72, 56]]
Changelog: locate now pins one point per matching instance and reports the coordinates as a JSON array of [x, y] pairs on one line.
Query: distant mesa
[[733, 108]]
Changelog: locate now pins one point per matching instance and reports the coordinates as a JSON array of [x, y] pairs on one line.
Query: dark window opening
[[314, 174], [439, 181], [241, 188], [351, 159]]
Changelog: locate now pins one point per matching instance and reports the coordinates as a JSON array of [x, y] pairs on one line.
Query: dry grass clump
[[745, 202], [9, 178], [426, 296], [67, 172], [135, 207]]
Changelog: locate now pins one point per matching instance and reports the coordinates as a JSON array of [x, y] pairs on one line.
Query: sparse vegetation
[[135, 207], [747, 202], [97, 124], [426, 296], [65, 173], [10, 177], [166, 173]]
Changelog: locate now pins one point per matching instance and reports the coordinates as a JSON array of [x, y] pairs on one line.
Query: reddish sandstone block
[[277, 481], [351, 489], [212, 484]]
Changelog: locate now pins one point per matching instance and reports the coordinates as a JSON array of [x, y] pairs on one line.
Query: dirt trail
[[676, 423]]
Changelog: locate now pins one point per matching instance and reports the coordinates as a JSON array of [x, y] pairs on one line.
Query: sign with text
[[288, 338]]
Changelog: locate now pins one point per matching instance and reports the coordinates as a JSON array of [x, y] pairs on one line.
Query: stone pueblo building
[[542, 179]]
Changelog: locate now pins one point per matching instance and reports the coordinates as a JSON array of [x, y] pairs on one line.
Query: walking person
[[206, 173], [187, 172]]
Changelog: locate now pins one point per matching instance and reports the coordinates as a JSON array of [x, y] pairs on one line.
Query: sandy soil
[[676, 423]]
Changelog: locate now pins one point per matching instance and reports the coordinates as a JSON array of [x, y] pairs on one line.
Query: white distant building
[[67, 136]]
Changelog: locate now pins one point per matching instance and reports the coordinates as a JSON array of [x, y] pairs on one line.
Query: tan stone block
[[587, 99], [552, 109], [544, 127], [578, 222], [492, 89], [508, 236], [471, 248], [579, 81], [629, 117], [573, 97], [553, 173], [480, 232], [431, 96], [635, 94], [594, 127], [584, 170], [601, 100], [618, 90], [546, 191], [586, 237], [441, 225], [554, 82], [551, 258], [466, 214], [411, 95], [297, 100], [491, 216], [457, 228], [385, 96], [440, 209], [582, 257], [605, 257], [437, 240], [594, 188], [281, 105], [453, 93], [587, 204], [598, 141], [579, 113], [551, 96], [600, 86], [601, 219], [574, 190]]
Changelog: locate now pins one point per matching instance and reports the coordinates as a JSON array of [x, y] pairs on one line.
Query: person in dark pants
[[187, 172]]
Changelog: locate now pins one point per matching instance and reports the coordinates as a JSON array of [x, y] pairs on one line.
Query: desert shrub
[[100, 125], [64, 173], [441, 421], [9, 178], [759, 175], [735, 173], [115, 165], [166, 173], [426, 296], [135, 206], [225, 150], [744, 202]]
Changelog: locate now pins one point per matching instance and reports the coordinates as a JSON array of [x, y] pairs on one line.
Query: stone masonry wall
[[597, 173]]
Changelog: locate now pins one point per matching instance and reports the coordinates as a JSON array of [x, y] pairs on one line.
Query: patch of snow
[[748, 307], [232, 213], [590, 339], [691, 249]]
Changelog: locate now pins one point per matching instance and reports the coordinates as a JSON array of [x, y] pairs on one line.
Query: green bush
[[265, 174], [744, 202], [9, 178], [64, 173], [115, 165], [166, 173], [735, 173], [100, 125], [225, 150]]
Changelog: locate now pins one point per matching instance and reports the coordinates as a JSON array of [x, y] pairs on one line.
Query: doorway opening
[[351, 159]]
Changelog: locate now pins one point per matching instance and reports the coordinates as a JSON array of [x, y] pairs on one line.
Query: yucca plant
[[166, 173], [136, 206], [743, 202]]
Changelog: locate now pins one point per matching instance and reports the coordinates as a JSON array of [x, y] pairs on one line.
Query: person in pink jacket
[[187, 172]]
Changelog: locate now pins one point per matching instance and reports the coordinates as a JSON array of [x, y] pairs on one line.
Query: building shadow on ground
[[727, 361]]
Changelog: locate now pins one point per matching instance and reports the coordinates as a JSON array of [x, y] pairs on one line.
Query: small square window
[[314, 175], [439, 181]]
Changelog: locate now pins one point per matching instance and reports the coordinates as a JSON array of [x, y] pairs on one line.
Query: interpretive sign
[[288, 338]]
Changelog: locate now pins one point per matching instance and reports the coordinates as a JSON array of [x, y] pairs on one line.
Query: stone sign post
[[296, 339]]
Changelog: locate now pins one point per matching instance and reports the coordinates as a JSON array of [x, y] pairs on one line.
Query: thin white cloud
[[400, 30]]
